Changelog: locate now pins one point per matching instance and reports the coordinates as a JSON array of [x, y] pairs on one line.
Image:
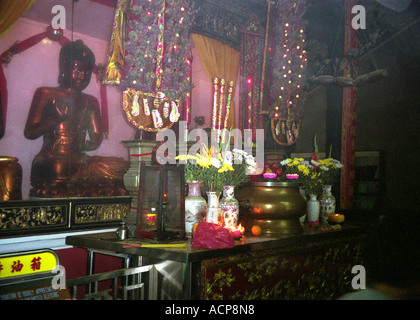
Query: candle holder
[[336, 218], [269, 177], [160, 212]]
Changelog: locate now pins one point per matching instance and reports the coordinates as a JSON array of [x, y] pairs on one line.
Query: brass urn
[[275, 206], [10, 179]]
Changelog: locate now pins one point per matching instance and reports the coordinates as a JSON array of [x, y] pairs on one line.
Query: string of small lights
[[289, 58]]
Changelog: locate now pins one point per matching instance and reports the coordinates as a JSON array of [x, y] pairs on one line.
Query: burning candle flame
[[151, 217], [238, 231]]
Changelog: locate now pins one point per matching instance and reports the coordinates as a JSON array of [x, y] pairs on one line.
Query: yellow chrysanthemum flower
[[186, 157], [225, 167], [204, 162], [304, 169], [315, 175]]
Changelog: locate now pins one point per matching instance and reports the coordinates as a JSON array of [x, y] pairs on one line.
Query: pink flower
[[292, 176]]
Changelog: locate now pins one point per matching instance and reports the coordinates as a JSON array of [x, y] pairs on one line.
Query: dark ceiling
[[223, 19], [94, 18]]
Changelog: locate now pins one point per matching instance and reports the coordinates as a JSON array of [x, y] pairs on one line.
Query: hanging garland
[[289, 60], [157, 48], [288, 70]]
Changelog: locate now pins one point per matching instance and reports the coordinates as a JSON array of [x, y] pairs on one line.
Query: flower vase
[[230, 207], [195, 207], [214, 212], [326, 203], [312, 212]]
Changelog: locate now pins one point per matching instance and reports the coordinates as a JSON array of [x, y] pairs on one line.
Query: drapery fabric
[[10, 11], [219, 60]]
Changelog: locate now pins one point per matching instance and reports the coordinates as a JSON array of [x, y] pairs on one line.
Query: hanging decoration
[[116, 51], [252, 55], [187, 103], [150, 112], [287, 71], [157, 62], [55, 35]]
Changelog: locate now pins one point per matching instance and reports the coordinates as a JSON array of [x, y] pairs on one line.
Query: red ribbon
[[3, 93], [104, 109], [18, 47], [141, 155]]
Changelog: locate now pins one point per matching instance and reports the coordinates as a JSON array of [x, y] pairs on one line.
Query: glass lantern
[[160, 213]]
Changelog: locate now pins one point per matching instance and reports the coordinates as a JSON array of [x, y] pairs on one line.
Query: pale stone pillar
[[140, 151]]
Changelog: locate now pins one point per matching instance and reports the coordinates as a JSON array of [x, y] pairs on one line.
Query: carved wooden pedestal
[[23, 217]]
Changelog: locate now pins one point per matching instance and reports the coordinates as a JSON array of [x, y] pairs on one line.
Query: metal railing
[[126, 284]]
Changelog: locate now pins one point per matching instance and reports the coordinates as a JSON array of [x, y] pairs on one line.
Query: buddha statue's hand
[[88, 146], [62, 109]]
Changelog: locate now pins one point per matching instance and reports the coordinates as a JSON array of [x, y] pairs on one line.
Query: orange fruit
[[256, 230]]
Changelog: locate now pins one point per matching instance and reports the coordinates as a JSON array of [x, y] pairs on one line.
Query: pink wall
[[38, 66]]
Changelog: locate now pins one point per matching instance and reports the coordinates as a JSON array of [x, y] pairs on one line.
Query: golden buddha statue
[[70, 123]]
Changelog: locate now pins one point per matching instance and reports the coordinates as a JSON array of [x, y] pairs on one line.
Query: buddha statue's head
[[75, 65]]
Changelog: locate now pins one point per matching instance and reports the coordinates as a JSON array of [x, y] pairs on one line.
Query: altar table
[[313, 265]]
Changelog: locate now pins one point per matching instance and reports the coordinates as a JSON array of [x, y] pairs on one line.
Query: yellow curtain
[[220, 61], [10, 11]]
